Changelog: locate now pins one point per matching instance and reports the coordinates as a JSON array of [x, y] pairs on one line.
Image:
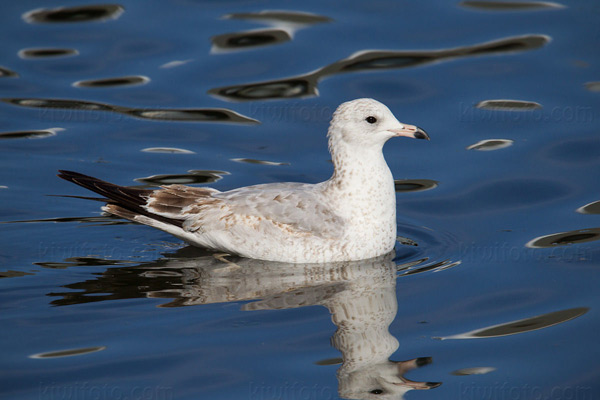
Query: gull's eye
[[371, 120], [376, 391]]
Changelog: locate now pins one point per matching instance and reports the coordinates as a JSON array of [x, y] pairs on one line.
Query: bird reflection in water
[[360, 295]]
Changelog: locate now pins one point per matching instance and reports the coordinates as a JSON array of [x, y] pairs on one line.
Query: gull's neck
[[359, 169], [362, 191]]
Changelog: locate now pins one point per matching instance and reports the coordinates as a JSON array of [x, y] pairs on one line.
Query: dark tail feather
[[131, 199], [125, 197], [100, 199]]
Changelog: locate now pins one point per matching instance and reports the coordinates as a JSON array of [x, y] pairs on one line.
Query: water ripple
[[490, 144], [32, 134], [298, 18], [473, 371], [47, 52], [565, 238], [419, 266], [371, 60], [5, 73], [193, 176], [510, 5], [81, 262], [116, 81], [414, 185], [493, 196], [13, 274], [509, 105], [283, 26], [254, 161], [189, 115], [248, 39], [172, 150], [523, 325], [68, 352], [591, 208], [100, 12]]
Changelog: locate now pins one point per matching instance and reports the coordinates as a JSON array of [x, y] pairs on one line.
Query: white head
[[368, 123]]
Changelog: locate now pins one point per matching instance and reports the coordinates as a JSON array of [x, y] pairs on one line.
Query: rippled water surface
[[492, 292]]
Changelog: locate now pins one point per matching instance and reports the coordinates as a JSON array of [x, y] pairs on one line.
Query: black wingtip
[[69, 175], [62, 173], [130, 199]]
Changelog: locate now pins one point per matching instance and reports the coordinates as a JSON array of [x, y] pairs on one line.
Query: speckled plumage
[[351, 216]]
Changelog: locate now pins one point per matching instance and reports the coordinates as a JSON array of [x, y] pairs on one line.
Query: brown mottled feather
[[173, 199]]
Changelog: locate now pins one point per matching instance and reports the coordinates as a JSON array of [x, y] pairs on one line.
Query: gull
[[351, 216]]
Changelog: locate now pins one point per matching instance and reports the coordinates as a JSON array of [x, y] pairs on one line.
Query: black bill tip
[[421, 134]]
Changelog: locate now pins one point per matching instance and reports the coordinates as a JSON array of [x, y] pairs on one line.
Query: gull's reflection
[[361, 297]]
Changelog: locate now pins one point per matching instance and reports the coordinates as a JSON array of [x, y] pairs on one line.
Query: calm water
[[492, 290]]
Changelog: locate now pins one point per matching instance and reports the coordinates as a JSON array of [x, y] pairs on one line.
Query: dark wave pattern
[[13, 274], [296, 18], [113, 82], [425, 265], [81, 262], [510, 5], [31, 134], [183, 115], [48, 52], [249, 39], [282, 27], [261, 162], [591, 208], [98, 12], [565, 238], [490, 144], [414, 185], [192, 177], [524, 325], [7, 73], [371, 60], [508, 105], [68, 352]]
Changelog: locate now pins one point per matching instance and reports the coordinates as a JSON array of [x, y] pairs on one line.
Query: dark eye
[[371, 120], [376, 391]]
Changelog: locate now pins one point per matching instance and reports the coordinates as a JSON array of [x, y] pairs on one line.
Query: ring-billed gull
[[351, 216]]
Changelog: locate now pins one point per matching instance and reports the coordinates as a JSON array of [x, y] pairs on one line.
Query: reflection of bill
[[361, 297]]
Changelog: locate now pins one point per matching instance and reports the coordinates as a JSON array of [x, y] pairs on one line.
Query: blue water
[[492, 289]]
